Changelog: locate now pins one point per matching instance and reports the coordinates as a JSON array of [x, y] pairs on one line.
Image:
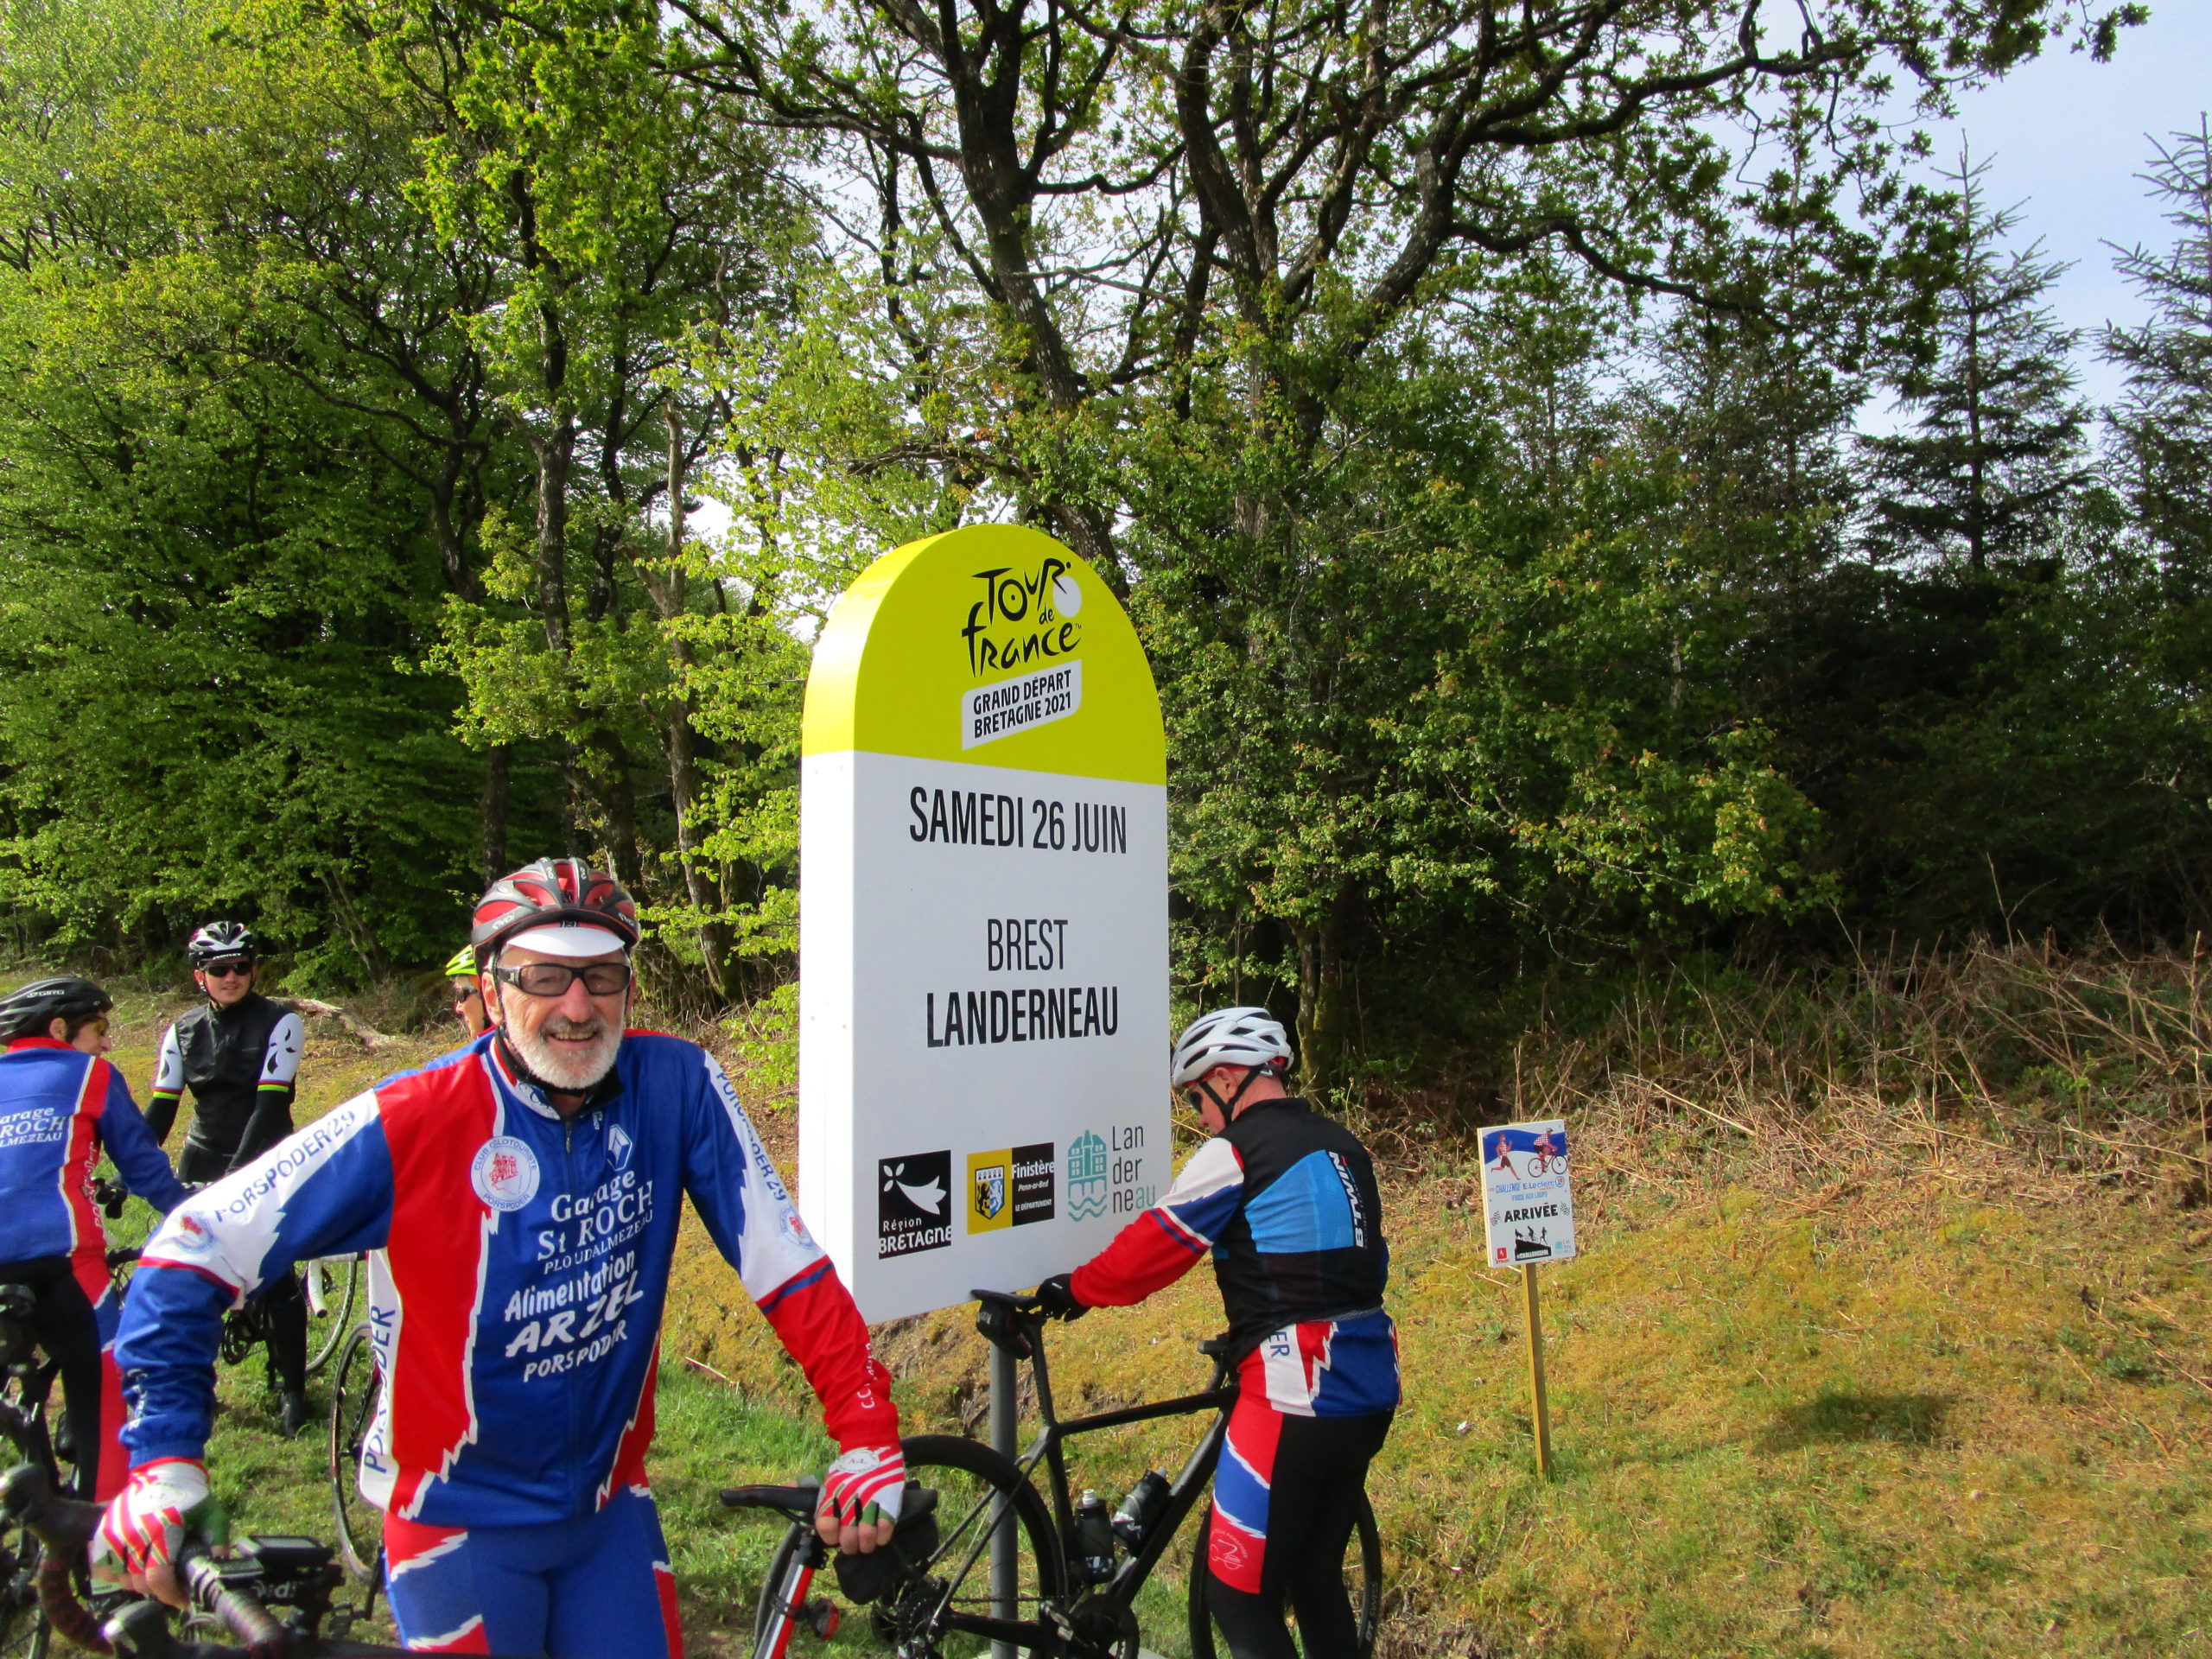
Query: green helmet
[[462, 965]]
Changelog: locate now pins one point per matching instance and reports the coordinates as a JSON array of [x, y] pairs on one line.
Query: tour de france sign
[[982, 922]]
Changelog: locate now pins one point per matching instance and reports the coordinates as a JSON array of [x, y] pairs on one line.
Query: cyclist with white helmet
[[521, 1195], [1285, 1200]]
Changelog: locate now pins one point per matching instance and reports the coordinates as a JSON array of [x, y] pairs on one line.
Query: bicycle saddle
[[797, 1503], [1004, 1320]]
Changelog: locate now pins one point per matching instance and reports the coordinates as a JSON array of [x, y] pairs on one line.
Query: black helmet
[[29, 1012], [219, 942]]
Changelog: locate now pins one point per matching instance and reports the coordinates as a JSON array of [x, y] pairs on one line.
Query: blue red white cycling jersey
[[59, 1110], [515, 1290], [1285, 1201]]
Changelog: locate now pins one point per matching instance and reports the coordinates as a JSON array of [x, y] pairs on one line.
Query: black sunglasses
[[554, 978], [226, 970]]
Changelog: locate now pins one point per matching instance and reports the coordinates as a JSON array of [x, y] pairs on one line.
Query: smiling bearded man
[[521, 1197]]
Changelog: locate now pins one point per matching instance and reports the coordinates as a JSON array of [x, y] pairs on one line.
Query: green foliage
[[432, 434]]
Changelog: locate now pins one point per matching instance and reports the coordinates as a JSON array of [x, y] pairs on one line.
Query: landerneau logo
[[505, 1173], [1086, 1177]]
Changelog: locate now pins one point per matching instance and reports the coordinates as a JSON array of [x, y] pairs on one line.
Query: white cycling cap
[[566, 939]]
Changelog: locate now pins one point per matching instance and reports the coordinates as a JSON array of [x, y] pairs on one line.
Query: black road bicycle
[[1074, 1574]]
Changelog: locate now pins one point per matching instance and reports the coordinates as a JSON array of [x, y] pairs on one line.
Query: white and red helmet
[[560, 906]]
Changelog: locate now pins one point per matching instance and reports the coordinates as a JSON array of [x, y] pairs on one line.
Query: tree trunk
[[557, 450], [1324, 1010], [492, 814], [667, 594]]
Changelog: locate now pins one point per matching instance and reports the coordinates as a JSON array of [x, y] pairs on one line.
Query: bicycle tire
[[353, 1390], [327, 1331], [965, 1473], [24, 1631], [1365, 1590]]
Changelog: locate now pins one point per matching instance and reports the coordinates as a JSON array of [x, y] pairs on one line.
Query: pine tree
[[2163, 446], [1996, 449]]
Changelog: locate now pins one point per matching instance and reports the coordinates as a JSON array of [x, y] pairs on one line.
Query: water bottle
[[1147, 1499], [1093, 1539]]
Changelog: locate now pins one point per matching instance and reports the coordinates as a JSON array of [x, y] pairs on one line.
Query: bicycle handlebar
[[64, 1527]]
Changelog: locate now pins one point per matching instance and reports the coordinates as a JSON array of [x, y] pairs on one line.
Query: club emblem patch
[[505, 1173]]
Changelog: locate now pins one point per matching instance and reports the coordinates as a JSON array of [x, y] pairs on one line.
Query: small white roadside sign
[[1525, 1194]]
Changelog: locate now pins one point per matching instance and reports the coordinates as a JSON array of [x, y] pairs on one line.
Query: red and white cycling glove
[[863, 1486], [147, 1522]]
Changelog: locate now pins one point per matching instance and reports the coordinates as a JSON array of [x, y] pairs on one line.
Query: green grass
[[1949, 1405]]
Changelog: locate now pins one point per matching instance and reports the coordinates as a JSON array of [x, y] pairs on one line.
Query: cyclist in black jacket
[[1286, 1201], [239, 1054]]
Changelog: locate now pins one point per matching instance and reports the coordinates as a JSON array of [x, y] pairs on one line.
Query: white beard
[[568, 1069]]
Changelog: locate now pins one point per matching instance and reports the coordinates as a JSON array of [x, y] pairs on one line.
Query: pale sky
[[2066, 137]]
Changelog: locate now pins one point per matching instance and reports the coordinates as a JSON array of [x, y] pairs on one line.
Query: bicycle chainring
[[902, 1616], [1103, 1628], [241, 1336]]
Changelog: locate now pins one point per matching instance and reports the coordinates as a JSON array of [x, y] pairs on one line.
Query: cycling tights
[[284, 1305], [1285, 1500], [73, 1333], [598, 1588]]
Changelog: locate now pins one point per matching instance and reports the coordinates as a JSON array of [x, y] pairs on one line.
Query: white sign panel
[[1525, 1194], [982, 924]]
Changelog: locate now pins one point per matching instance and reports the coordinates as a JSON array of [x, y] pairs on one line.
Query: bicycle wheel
[[1363, 1582], [353, 1391], [24, 1633], [977, 1491], [330, 1287]]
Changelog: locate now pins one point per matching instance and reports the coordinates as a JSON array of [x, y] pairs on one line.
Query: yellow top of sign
[[992, 645]]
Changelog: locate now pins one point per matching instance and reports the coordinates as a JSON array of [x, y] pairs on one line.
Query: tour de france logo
[[505, 1173], [1023, 619]]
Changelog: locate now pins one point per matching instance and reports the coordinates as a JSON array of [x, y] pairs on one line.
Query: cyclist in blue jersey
[[521, 1195], [1285, 1200], [61, 1106]]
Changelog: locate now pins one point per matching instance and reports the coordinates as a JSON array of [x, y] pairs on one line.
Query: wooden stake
[[1537, 1370]]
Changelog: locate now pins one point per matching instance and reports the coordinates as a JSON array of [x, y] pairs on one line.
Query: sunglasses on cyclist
[[226, 970], [554, 978]]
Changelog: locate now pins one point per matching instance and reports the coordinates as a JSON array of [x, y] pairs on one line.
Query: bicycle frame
[[1021, 1334]]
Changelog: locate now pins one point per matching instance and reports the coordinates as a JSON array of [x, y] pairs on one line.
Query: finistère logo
[[914, 1203], [1021, 618], [1011, 1186]]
